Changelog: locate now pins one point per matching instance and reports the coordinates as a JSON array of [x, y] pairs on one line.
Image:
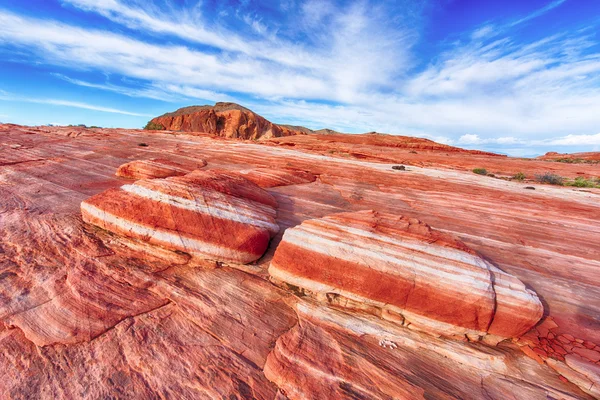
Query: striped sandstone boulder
[[406, 272], [204, 213]]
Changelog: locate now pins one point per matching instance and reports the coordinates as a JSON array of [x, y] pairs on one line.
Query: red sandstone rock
[[222, 331], [224, 119], [576, 157], [270, 177], [156, 168], [591, 355], [533, 354], [203, 213], [545, 327], [402, 266]]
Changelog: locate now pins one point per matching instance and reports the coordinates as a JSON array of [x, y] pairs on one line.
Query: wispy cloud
[[363, 53], [156, 91], [4, 96], [538, 13]]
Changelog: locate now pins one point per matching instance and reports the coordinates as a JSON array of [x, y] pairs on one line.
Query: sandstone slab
[[408, 271], [273, 177], [205, 214], [156, 168]]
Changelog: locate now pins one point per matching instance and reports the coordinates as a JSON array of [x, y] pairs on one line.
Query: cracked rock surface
[[88, 313]]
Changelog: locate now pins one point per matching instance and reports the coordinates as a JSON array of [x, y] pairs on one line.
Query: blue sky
[[518, 77]]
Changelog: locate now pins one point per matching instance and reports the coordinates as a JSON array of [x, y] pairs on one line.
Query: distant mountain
[[229, 120], [590, 157], [232, 120]]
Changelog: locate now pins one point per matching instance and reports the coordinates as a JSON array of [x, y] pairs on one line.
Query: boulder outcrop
[[225, 119], [156, 168], [406, 271], [204, 213]]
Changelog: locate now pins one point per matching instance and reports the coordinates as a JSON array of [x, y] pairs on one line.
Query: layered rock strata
[[205, 214], [408, 272], [271, 177], [156, 168]]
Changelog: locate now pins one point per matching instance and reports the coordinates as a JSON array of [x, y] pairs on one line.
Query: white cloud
[[576, 140], [157, 91], [66, 103], [314, 11], [469, 139], [483, 32], [360, 54]]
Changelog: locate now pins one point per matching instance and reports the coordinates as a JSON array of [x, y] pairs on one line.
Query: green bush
[[151, 126], [519, 176], [582, 182], [550, 178], [480, 171]]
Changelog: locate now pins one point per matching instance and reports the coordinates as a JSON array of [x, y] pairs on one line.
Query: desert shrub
[[480, 171], [152, 126], [399, 167], [569, 160], [550, 178], [519, 176], [582, 182]]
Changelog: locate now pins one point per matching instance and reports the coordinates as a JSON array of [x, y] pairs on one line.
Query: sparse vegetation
[[491, 175], [570, 160], [582, 182], [519, 176], [480, 171], [152, 126], [399, 167], [550, 178]]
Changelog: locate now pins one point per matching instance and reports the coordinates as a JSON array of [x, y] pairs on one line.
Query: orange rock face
[[408, 271], [270, 177], [574, 157], [91, 313], [156, 168], [204, 214], [224, 119]]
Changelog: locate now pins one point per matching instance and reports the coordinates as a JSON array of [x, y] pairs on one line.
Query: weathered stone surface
[[272, 177], [205, 214], [368, 359], [403, 267], [156, 168], [218, 325]]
